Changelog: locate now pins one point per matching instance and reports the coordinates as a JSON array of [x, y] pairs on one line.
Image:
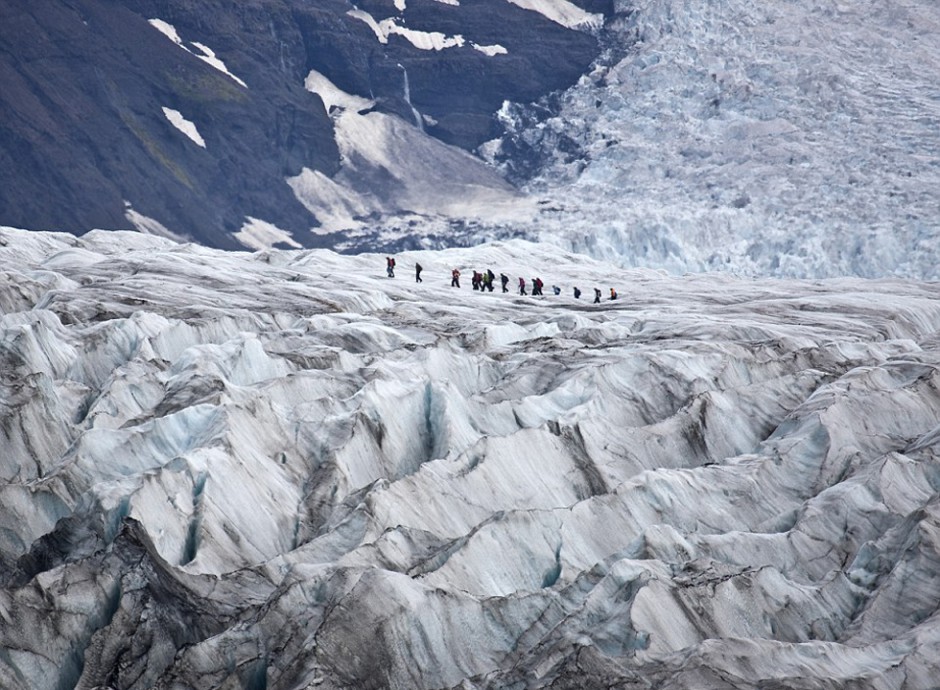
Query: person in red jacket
[[455, 278]]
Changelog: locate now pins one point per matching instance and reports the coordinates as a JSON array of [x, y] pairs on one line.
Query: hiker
[[418, 270], [577, 293], [476, 280], [455, 278], [613, 293], [390, 266], [504, 279], [488, 280], [522, 285], [597, 295], [556, 289], [537, 286]]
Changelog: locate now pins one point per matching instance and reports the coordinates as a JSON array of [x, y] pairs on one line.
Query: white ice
[[307, 470], [792, 139]]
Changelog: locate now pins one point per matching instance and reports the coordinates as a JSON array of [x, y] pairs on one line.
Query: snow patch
[[259, 235], [562, 12], [423, 40], [209, 57], [423, 175], [332, 95], [149, 226], [336, 207], [185, 126], [205, 53], [167, 30], [491, 51]]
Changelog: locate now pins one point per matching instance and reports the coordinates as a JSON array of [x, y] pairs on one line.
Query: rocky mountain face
[[188, 118]]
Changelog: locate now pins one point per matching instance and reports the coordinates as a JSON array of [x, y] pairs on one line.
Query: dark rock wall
[[461, 88], [82, 133]]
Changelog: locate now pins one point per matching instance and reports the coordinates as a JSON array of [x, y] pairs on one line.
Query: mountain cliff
[[188, 118]]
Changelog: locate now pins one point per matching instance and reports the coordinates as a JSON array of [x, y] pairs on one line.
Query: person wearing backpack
[[390, 266]]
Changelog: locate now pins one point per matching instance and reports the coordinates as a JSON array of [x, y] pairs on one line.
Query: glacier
[[282, 469], [793, 139]]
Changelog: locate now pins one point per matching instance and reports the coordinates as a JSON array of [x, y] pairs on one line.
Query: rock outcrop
[[187, 118]]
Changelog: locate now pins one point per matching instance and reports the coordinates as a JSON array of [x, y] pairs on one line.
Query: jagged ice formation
[[285, 470], [793, 139]]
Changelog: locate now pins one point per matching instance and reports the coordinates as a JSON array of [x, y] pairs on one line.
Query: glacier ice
[[282, 469], [795, 139]]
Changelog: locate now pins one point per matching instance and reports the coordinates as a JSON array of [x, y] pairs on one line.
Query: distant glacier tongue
[[792, 139], [287, 470]]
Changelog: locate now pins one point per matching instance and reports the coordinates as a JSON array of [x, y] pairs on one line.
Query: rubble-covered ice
[[286, 470]]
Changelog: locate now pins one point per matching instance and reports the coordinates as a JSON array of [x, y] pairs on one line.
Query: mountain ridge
[[87, 142]]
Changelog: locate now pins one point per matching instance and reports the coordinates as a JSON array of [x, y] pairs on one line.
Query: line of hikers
[[483, 281]]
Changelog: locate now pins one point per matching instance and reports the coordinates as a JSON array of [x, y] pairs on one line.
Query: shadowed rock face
[[460, 89], [83, 129], [83, 133]]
